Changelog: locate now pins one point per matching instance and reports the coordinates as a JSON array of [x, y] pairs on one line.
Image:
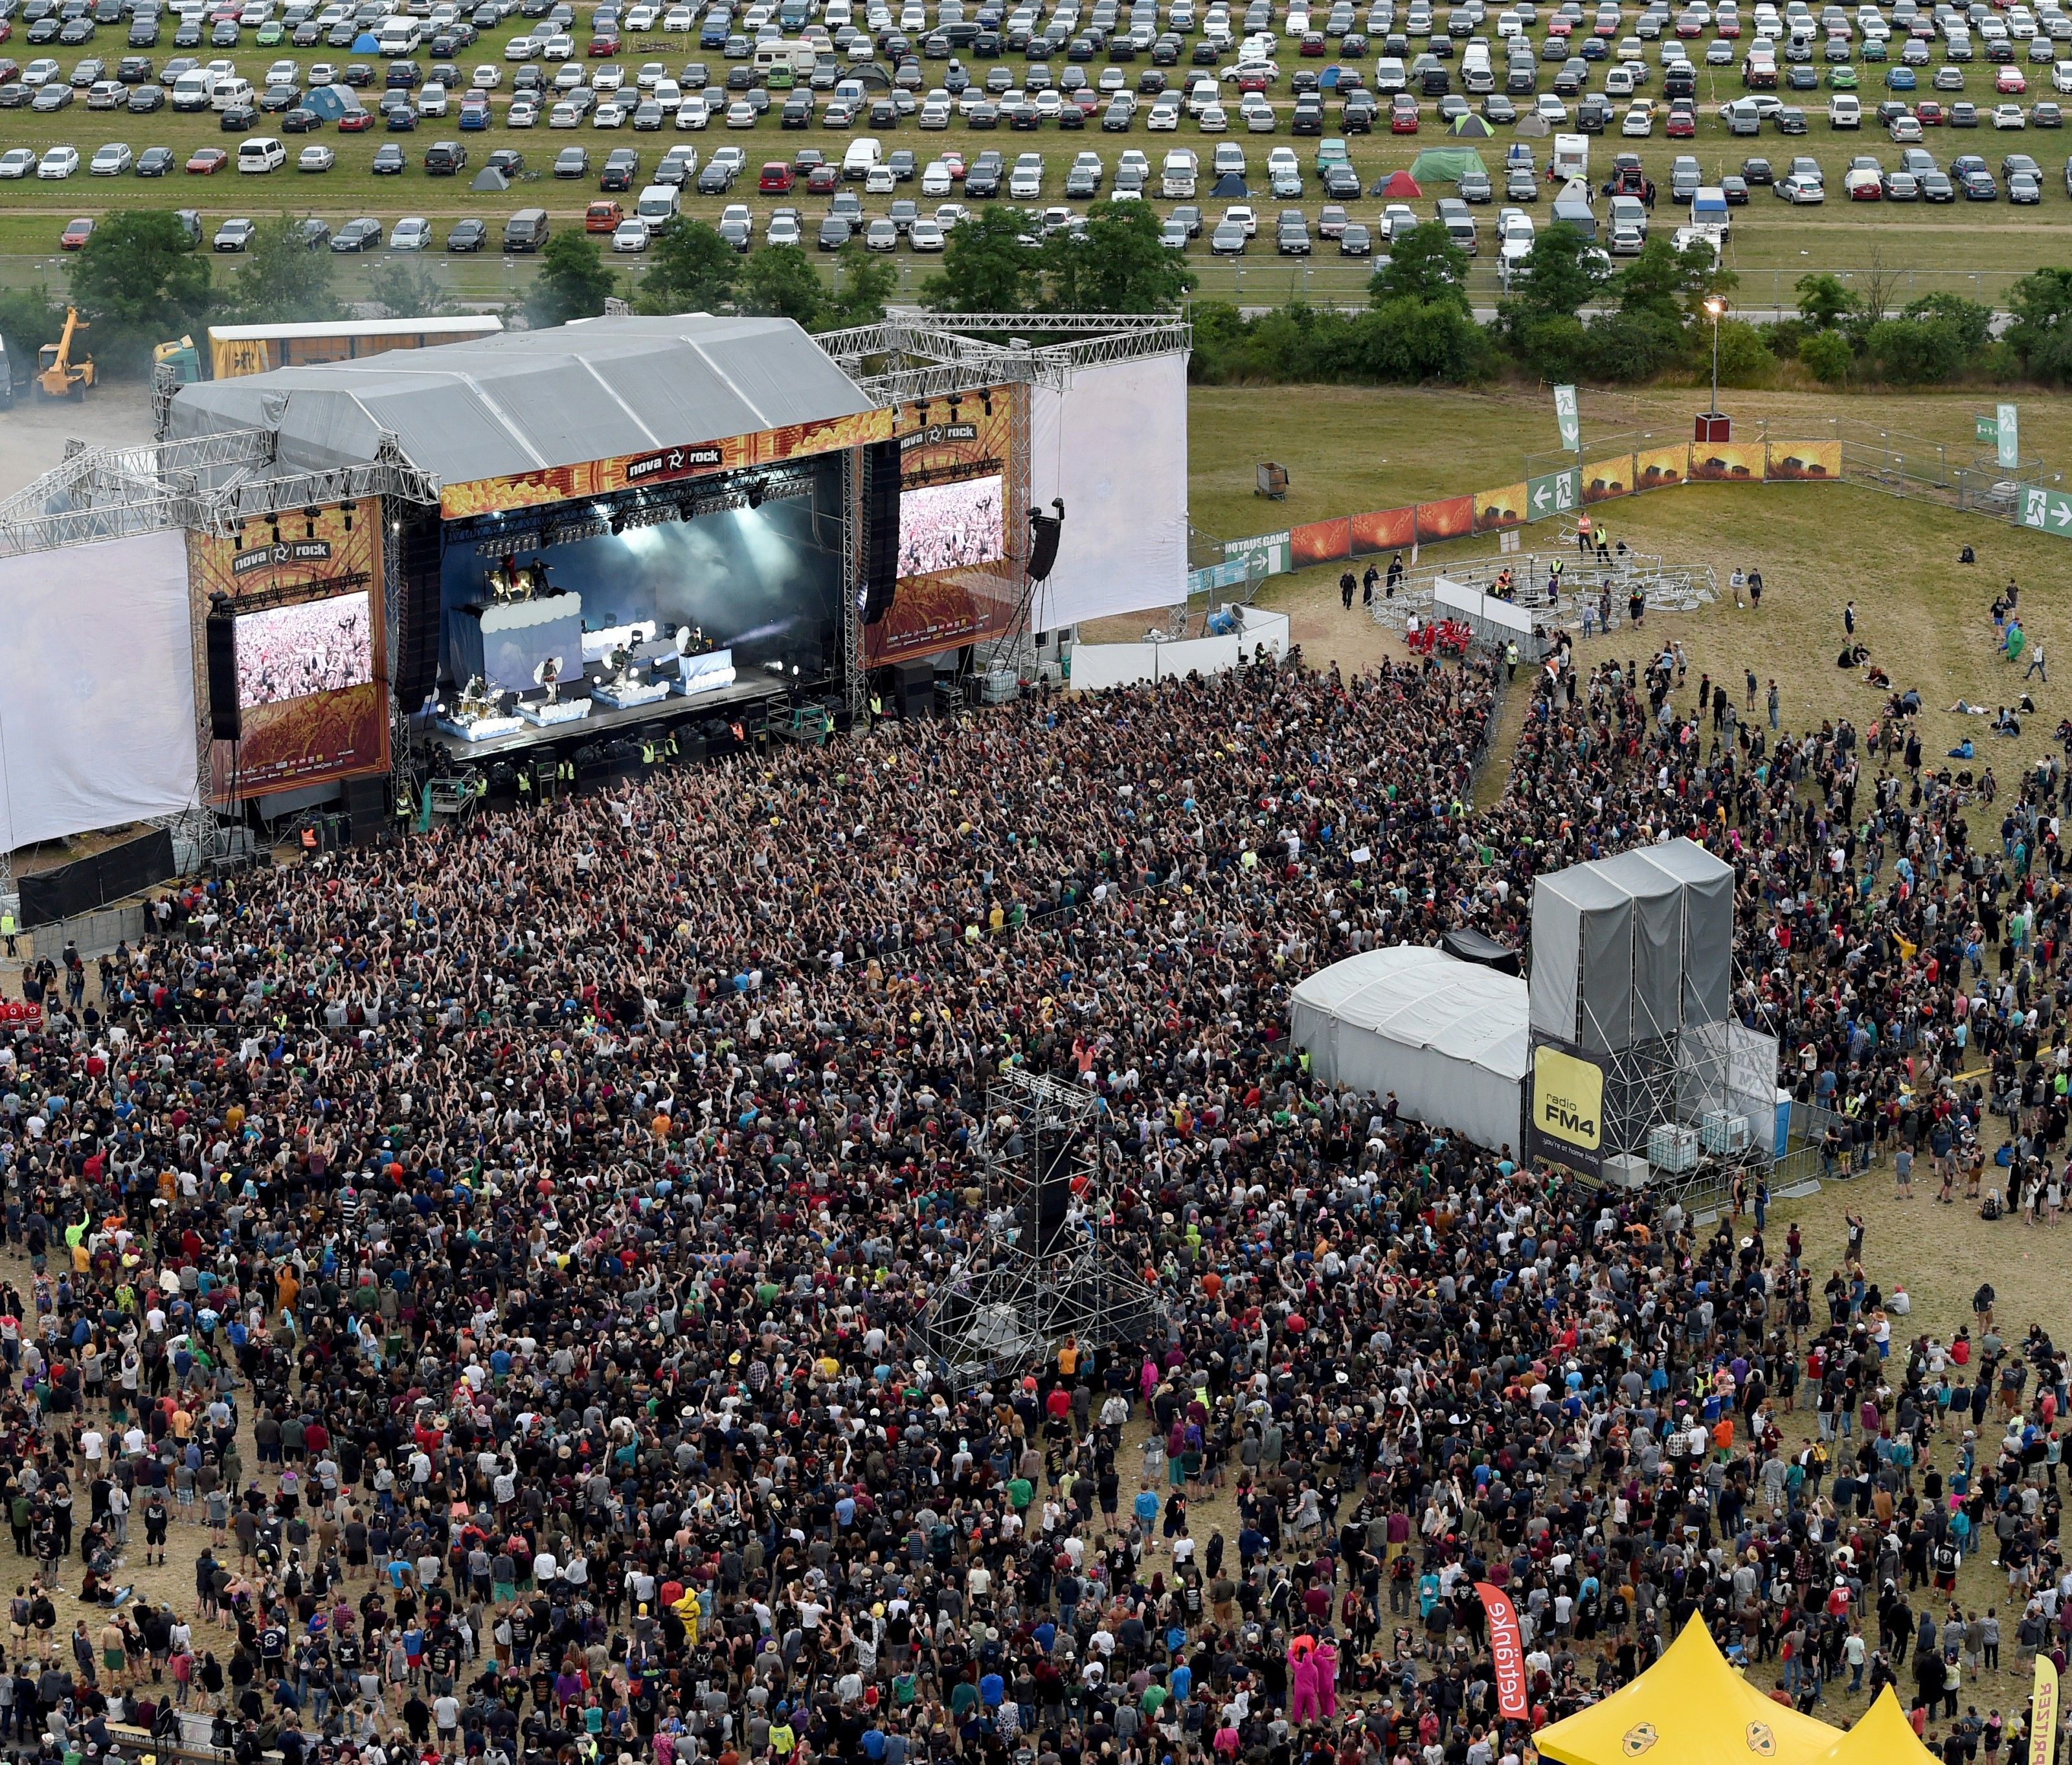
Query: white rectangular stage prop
[[1114, 447], [97, 723], [1095, 666], [1447, 1037]]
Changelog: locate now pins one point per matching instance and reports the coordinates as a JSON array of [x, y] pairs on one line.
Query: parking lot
[[840, 127]]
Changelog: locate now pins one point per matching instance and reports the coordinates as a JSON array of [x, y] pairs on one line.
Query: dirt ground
[[33, 435]]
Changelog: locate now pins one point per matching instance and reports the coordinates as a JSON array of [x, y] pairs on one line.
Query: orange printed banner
[[1501, 508], [1385, 530], [1321, 542], [661, 465], [1454, 518], [1816, 462], [1655, 468], [1604, 479], [1727, 462]]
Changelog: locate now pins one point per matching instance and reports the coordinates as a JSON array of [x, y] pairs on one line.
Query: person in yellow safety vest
[[7, 930]]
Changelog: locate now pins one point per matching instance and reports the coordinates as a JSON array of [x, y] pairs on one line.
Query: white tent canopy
[[1447, 1037]]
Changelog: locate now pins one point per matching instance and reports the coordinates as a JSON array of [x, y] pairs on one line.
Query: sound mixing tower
[[1052, 1261]]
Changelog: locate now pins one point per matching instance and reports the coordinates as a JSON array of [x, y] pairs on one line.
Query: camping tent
[[1447, 1037], [1469, 125], [1531, 123], [331, 102], [1401, 186], [490, 178], [1445, 165], [1691, 1708], [1230, 184]]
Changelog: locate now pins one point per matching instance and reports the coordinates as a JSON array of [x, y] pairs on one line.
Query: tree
[[779, 281], [2040, 330], [139, 281], [862, 286], [1425, 264], [409, 290], [573, 282], [1117, 264], [1827, 356], [690, 269], [1823, 302], [986, 268], [1563, 274], [283, 281], [29, 319]]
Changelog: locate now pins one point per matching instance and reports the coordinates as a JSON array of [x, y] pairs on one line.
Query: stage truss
[[1004, 1309]]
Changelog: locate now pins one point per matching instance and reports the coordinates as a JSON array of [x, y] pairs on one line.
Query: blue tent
[[367, 43], [331, 102], [1328, 79]]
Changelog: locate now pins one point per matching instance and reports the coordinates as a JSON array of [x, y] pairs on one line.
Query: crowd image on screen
[[491, 1257], [321, 646], [951, 526]]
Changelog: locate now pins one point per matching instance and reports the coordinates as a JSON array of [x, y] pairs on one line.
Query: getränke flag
[[1506, 1653]]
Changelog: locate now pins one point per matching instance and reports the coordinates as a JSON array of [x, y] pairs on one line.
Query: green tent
[[1470, 125], [1445, 165]]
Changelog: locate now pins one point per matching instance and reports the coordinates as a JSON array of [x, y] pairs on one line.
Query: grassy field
[[1977, 249], [1925, 617]]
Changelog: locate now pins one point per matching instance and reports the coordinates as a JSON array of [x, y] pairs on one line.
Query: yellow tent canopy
[[1689, 1708], [1882, 1736]]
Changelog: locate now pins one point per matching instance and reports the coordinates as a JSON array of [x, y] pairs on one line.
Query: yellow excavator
[[59, 374]]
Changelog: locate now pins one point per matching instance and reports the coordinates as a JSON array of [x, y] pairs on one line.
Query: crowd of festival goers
[[489, 1257]]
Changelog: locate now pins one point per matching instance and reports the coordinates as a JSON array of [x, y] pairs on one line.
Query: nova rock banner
[[1506, 1653]]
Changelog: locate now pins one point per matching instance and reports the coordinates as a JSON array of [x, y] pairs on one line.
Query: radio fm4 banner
[[1506, 1653]]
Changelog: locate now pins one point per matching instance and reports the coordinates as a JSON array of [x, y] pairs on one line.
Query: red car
[[602, 217], [823, 180], [356, 121], [1728, 28], [1682, 125], [6, 30], [1928, 113], [1402, 116], [1688, 27], [954, 160], [208, 159], [1560, 25], [777, 179], [603, 46], [2010, 80], [74, 238], [1313, 42]]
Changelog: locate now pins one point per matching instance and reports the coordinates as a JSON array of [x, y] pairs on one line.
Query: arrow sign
[[2060, 512], [2008, 436], [1988, 429], [1541, 495], [1564, 415]]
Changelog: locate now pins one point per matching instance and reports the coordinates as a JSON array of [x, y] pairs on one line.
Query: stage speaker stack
[[881, 529], [1054, 1191], [914, 687], [226, 721], [418, 615], [366, 808]]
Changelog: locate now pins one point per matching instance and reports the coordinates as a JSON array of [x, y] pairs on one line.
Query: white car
[[40, 72], [520, 49], [925, 235], [315, 160], [1213, 120], [2009, 116], [630, 234], [740, 114], [2061, 76], [879, 181], [679, 18], [432, 100], [58, 163], [110, 161], [611, 114], [565, 115], [18, 162], [486, 78], [413, 232], [1164, 115], [936, 179], [1639, 121], [523, 114], [692, 113], [608, 78], [1241, 215], [261, 154]]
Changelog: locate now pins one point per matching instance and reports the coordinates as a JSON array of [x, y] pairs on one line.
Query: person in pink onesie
[[1302, 1682], [1326, 1662]]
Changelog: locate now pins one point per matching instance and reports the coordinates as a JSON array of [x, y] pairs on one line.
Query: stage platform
[[603, 723]]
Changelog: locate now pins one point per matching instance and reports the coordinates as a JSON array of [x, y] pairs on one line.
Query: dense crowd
[[501, 1245], [945, 526]]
